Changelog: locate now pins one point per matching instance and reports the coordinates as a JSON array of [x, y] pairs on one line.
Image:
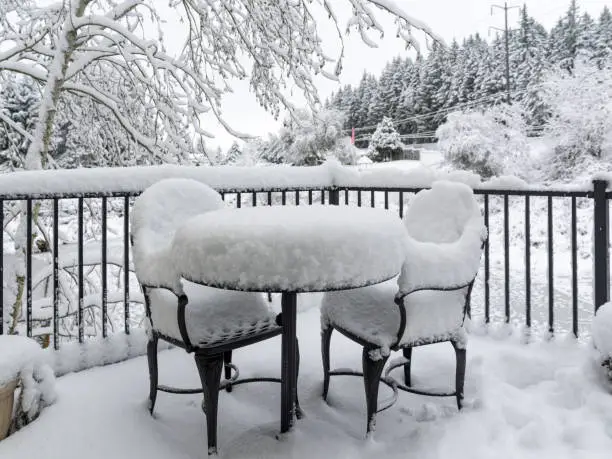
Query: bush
[[580, 128], [492, 142], [307, 140]]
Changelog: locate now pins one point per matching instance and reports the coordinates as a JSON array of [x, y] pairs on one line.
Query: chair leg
[[325, 345], [299, 414], [209, 368], [153, 373], [227, 359], [372, 370], [460, 373], [407, 366]]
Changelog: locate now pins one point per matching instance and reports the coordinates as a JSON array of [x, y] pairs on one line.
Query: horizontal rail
[[234, 190]]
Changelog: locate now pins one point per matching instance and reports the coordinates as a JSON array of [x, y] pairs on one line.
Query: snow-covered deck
[[541, 400]]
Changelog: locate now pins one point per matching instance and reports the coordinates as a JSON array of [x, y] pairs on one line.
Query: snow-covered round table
[[289, 250]]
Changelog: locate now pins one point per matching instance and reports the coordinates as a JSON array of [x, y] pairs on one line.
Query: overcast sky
[[448, 18]]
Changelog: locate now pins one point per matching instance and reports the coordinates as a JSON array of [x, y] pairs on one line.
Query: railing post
[[334, 196], [601, 243]]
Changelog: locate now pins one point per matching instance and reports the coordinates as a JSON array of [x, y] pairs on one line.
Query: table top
[[290, 249]]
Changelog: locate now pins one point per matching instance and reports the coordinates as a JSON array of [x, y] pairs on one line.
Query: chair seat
[[212, 315], [370, 313]]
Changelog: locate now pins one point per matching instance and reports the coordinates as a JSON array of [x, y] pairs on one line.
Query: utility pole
[[506, 35]]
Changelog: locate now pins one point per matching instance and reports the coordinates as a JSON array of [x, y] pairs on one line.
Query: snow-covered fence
[[533, 271]]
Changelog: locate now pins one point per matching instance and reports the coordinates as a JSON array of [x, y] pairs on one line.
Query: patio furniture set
[[389, 284]]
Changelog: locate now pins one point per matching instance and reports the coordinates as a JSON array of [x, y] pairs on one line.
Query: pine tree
[[385, 141], [587, 37], [603, 42], [564, 39], [490, 82], [233, 153], [379, 105], [430, 91], [528, 61], [406, 105]]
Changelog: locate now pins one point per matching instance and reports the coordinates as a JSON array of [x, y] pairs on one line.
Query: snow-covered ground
[[543, 400]]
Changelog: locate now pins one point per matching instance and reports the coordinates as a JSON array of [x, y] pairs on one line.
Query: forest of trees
[[418, 94]]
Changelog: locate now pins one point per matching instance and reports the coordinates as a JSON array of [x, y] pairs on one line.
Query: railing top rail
[[531, 191], [478, 191], [131, 181]]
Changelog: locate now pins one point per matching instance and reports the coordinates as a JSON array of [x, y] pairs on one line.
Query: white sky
[[448, 18]]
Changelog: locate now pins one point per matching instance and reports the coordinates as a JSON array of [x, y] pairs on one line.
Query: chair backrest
[[157, 214], [441, 213]]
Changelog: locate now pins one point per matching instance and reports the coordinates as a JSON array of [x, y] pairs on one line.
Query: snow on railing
[[133, 180]]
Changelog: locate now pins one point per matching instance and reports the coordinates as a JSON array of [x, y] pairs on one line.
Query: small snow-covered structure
[[23, 365], [445, 235], [602, 336]]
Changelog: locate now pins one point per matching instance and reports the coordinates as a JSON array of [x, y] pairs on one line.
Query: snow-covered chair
[[446, 234], [207, 321]]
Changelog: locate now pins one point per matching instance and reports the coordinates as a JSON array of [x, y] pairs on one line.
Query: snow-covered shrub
[[385, 141], [580, 128], [602, 336], [22, 360], [492, 142], [308, 139]]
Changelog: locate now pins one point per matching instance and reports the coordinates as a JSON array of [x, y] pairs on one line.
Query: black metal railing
[[50, 276]]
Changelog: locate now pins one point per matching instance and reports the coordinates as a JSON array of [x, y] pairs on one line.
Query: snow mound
[[312, 248], [24, 360], [157, 213], [446, 231], [602, 330]]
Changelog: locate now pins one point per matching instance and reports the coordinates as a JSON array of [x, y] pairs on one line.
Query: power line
[[506, 34]]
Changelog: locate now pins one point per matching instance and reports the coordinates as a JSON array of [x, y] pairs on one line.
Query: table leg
[[289, 361]]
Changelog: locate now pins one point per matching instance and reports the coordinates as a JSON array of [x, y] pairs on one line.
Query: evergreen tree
[[385, 141], [603, 42], [564, 39], [406, 104], [528, 61], [587, 37], [490, 82], [431, 85], [378, 104], [419, 94], [233, 154]]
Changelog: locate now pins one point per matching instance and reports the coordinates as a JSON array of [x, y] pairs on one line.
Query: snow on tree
[[234, 152], [385, 141], [97, 49], [528, 60], [580, 128], [564, 39], [63, 44], [309, 139], [18, 107], [491, 142], [603, 42]]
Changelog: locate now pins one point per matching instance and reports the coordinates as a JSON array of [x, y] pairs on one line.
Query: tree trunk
[[37, 155]]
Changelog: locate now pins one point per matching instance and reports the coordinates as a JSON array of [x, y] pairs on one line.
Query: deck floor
[[543, 400]]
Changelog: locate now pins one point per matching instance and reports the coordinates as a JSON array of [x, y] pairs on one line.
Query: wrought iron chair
[[446, 234], [206, 321]]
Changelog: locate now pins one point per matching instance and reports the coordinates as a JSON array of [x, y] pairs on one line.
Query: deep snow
[[541, 400]]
